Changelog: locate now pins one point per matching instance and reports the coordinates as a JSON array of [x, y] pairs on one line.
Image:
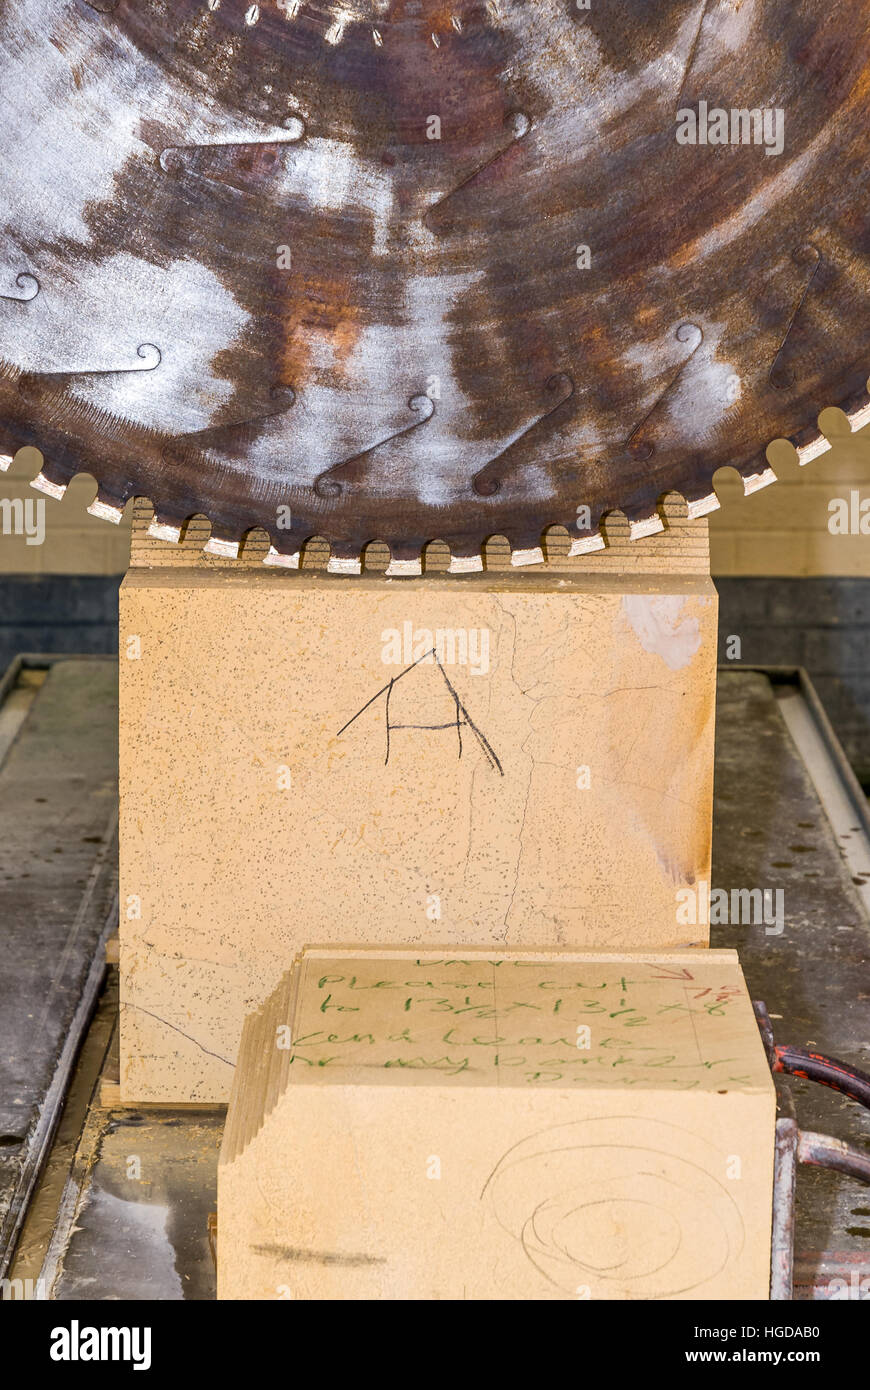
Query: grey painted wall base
[[58, 613], [822, 624]]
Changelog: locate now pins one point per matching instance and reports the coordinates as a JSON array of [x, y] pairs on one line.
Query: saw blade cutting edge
[[402, 272]]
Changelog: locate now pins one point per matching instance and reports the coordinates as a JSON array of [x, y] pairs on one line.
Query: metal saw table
[[122, 1204]]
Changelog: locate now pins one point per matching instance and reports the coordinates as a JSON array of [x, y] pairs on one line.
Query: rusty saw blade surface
[[404, 271]]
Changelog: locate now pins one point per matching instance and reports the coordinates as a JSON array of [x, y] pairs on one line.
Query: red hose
[[812, 1066]]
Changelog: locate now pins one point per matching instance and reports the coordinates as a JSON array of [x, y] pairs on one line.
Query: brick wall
[[783, 530]]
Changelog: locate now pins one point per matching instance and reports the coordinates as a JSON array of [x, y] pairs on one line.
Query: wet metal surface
[[142, 1231], [58, 799], [420, 270], [770, 832]]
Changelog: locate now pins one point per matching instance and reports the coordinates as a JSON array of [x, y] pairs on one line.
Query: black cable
[[827, 1071]]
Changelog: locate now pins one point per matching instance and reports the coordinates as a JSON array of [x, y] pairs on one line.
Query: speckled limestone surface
[[500, 760], [519, 1125]]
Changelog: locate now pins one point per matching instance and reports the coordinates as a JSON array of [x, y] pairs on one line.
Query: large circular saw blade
[[412, 271]]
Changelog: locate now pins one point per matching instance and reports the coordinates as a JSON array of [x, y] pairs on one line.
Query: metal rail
[[794, 1146]]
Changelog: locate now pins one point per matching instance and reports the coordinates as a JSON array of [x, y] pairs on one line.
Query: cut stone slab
[[524, 1125], [499, 760]]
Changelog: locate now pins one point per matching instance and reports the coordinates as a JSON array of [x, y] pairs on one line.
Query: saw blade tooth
[[645, 526], [465, 564], [399, 569], [106, 507], [754, 482], [584, 545], [813, 450], [277, 557], [162, 528], [222, 546], [51, 489], [344, 564], [532, 555], [859, 417], [106, 511], [702, 506]]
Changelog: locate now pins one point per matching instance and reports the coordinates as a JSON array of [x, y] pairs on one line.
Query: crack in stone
[[176, 1029]]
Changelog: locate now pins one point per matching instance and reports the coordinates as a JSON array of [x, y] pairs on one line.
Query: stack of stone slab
[[499, 1125]]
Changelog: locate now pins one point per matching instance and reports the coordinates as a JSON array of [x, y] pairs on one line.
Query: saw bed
[[122, 1208]]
